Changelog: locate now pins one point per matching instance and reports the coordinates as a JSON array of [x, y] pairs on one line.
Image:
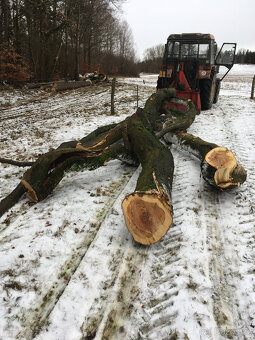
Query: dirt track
[[70, 269]]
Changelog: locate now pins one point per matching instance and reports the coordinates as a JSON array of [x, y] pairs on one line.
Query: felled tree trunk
[[219, 166], [45, 174], [148, 210]]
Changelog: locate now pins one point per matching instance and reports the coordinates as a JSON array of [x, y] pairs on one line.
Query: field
[[70, 269]]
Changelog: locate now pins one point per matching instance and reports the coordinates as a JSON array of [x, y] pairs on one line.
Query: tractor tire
[[163, 83], [217, 91], [207, 91]]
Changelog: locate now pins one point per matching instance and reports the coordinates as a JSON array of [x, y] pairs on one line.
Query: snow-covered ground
[[69, 268]]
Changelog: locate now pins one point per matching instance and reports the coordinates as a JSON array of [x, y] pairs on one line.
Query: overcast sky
[[152, 21]]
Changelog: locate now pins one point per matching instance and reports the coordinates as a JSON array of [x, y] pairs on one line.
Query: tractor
[[191, 63]]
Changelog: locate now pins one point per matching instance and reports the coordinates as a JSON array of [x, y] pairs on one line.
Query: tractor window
[[184, 50], [170, 49], [193, 50], [226, 55], [189, 50], [176, 49], [204, 50]]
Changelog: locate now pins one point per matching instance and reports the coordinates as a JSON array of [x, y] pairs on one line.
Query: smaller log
[[102, 140], [228, 172], [17, 163], [9, 201], [219, 166]]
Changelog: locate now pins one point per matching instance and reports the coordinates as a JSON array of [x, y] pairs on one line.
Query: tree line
[[153, 57], [52, 39], [245, 57]]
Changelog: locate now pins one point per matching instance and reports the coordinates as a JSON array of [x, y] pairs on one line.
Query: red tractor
[[191, 64]]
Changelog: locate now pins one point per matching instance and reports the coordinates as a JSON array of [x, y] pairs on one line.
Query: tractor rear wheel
[[207, 91], [217, 91]]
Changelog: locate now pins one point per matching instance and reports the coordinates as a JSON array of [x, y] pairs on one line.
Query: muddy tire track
[[34, 318]]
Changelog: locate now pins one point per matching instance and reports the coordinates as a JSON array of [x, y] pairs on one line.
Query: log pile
[[148, 210], [62, 85]]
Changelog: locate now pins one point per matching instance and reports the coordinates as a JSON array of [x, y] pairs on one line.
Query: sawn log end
[[147, 215], [228, 172]]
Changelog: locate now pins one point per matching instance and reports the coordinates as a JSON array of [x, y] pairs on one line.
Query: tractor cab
[[190, 65]]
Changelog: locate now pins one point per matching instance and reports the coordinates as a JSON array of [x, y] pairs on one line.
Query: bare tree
[[65, 37], [153, 58]]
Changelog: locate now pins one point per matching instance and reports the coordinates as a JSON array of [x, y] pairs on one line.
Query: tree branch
[[17, 163]]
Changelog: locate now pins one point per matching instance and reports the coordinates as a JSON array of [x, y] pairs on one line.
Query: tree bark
[[45, 174], [219, 166], [9, 201], [178, 120], [17, 163]]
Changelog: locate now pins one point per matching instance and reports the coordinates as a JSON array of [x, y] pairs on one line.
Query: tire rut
[[110, 299], [34, 319], [173, 278], [231, 297]]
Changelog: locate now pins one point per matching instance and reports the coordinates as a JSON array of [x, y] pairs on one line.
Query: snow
[[69, 267]]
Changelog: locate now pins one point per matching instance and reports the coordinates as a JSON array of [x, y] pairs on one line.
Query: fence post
[[252, 88], [137, 99], [112, 95]]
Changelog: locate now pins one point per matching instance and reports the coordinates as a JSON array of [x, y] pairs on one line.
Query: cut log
[[228, 174], [148, 211], [219, 166], [45, 174]]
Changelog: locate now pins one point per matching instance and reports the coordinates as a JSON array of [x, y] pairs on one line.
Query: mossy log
[[219, 166], [177, 120], [45, 174], [148, 210]]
